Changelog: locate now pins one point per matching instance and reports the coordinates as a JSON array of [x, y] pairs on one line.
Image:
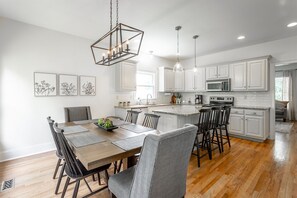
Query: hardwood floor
[[248, 169]]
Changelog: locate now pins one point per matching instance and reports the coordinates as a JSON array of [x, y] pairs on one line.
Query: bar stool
[[215, 116], [203, 129], [223, 125]]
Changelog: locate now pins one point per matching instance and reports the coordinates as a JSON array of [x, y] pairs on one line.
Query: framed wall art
[[87, 85], [68, 85], [45, 84]]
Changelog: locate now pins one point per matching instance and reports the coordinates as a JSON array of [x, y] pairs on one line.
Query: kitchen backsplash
[[125, 97]]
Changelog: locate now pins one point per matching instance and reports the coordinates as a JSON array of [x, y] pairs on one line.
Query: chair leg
[[198, 151], [57, 168], [65, 187], [106, 177], [120, 166], [227, 134], [115, 167], [93, 177], [218, 141], [60, 178], [221, 137], [99, 179], [76, 189], [88, 185]]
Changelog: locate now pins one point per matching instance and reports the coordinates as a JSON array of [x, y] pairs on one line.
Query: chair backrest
[[55, 137], [203, 119], [225, 115], [69, 156], [77, 113], [151, 120], [163, 164], [132, 116], [215, 116]]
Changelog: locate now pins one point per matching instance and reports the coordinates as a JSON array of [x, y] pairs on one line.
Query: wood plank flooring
[[247, 169]]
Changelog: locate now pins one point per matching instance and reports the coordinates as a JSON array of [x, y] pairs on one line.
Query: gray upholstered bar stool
[[162, 167], [77, 113]]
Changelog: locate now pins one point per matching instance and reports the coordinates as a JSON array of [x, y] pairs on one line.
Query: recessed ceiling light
[[241, 37], [292, 24]]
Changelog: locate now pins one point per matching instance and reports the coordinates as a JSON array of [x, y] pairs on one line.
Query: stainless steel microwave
[[218, 85]]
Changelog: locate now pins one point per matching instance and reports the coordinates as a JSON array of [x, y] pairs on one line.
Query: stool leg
[[227, 134], [208, 145], [218, 142], [221, 136]]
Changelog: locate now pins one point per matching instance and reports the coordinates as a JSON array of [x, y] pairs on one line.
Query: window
[[145, 84], [281, 87]]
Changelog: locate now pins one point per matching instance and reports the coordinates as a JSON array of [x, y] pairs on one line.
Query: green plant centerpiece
[[105, 123]]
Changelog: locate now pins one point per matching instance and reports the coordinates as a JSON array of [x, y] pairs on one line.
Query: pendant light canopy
[[178, 67], [195, 66], [122, 42]]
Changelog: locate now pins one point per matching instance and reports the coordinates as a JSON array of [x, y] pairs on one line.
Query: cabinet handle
[[255, 113]]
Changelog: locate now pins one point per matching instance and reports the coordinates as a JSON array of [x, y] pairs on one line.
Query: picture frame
[[45, 84], [68, 85], [87, 85]]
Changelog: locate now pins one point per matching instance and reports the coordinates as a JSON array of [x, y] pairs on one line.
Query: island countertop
[[179, 110]]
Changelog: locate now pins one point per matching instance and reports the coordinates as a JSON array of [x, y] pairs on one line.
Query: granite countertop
[[251, 107], [180, 111], [141, 106]]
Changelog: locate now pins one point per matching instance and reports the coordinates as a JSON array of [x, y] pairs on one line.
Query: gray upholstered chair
[[162, 167], [77, 113]]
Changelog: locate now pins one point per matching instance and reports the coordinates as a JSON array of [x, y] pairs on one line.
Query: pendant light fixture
[[178, 67], [121, 43], [195, 66]]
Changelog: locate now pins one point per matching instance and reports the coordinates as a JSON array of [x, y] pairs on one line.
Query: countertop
[[179, 110], [141, 106], [251, 107]]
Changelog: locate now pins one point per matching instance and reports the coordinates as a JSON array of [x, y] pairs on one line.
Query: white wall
[[282, 51], [25, 49]]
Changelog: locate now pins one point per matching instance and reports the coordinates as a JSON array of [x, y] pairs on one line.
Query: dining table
[[95, 146]]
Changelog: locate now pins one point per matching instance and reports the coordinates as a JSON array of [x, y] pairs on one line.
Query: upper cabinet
[[249, 76], [195, 81], [166, 79], [125, 76], [179, 82], [215, 72]]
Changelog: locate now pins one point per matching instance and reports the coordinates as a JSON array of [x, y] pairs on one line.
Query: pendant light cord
[[195, 52], [177, 28], [117, 12], [110, 13]]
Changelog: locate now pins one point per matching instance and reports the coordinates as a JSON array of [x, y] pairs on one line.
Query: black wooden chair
[[74, 169], [151, 120], [59, 154], [203, 129], [223, 125]]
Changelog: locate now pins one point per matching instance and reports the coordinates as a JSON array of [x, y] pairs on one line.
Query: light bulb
[[195, 69]]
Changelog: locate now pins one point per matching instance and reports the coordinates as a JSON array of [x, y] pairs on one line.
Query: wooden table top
[[99, 154]]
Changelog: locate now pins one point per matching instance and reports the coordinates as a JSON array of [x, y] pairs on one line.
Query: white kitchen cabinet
[[254, 126], [257, 74], [238, 76], [217, 72], [249, 123], [167, 122], [179, 81], [166, 79], [236, 124], [195, 81], [125, 76], [250, 75]]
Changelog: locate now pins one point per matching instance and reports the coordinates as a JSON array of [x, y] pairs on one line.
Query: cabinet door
[[167, 122], [223, 71], [238, 76], [179, 81], [200, 79], [189, 80], [169, 80], [128, 76], [236, 124], [211, 72], [257, 75], [254, 126]]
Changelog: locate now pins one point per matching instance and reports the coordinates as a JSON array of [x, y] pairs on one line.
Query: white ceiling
[[218, 22]]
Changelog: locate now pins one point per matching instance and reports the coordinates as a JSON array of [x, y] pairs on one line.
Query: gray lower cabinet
[[249, 123]]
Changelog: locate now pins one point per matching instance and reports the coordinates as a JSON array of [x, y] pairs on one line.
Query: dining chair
[[77, 113], [151, 120], [59, 154], [203, 130], [74, 169], [132, 116], [162, 167], [223, 125]]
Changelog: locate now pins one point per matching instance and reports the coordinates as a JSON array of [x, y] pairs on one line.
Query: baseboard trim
[[26, 151]]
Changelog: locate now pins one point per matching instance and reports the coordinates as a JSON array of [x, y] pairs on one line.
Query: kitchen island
[[176, 116]]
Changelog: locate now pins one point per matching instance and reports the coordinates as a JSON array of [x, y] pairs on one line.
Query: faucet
[[147, 100]]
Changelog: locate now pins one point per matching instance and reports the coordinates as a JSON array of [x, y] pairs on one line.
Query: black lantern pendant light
[[121, 43], [195, 66]]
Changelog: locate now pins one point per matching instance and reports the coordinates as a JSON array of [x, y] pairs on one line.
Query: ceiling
[[218, 22]]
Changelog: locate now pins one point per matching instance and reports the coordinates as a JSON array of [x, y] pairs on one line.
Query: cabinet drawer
[[237, 111], [254, 112]]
